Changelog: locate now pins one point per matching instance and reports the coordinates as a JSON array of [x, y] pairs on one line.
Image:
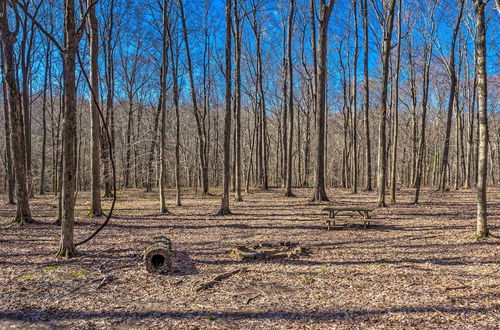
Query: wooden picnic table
[[334, 210]]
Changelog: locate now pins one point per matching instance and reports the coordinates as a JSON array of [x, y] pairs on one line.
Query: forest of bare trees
[[249, 164], [102, 96]]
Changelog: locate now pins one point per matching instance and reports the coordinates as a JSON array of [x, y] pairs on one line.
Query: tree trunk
[[319, 193], [382, 146], [289, 160], [199, 124], [395, 116], [354, 110], [18, 147], [224, 208], [237, 107], [8, 152], [174, 60], [427, 55], [44, 118], [482, 92], [95, 126], [67, 246], [110, 86], [364, 11], [453, 86], [163, 107]]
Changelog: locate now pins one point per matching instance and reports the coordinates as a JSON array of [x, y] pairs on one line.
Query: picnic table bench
[[334, 210]]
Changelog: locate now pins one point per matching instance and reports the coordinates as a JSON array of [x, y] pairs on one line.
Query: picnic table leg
[[328, 226]]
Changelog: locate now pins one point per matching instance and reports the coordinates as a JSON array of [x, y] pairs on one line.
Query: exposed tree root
[[66, 252], [22, 220], [224, 211]]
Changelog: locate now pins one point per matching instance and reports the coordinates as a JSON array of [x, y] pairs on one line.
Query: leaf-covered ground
[[417, 267]]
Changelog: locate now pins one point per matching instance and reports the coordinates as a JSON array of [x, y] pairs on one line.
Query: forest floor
[[417, 267]]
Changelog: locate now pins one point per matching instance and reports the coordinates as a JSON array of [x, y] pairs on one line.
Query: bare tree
[[224, 208], [163, 109], [95, 126], [202, 143], [289, 159], [382, 144], [110, 91], [11, 181], [18, 146], [453, 86], [237, 100], [427, 58], [174, 66], [395, 116], [364, 12], [482, 93], [325, 10]]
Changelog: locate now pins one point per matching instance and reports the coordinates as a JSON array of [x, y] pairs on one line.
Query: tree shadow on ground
[[33, 315]]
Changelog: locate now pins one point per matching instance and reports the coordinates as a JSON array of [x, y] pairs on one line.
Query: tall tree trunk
[[482, 92], [237, 99], [364, 11], [11, 181], [453, 86], [95, 126], [284, 119], [224, 208], [319, 193], [289, 161], [199, 124], [25, 55], [44, 119], [163, 107], [354, 124], [110, 86], [470, 133], [382, 145], [18, 146], [67, 246], [395, 117], [427, 56], [174, 66]]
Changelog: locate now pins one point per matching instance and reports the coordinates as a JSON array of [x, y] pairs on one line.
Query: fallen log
[[218, 279], [267, 251], [158, 256]]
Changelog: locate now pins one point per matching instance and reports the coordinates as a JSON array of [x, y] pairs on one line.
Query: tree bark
[[382, 146], [427, 56], [453, 86], [199, 124], [11, 181], [289, 160], [319, 193], [95, 126], [364, 11], [163, 109], [18, 146], [67, 246], [354, 110], [482, 93], [395, 117], [237, 106], [224, 208], [110, 90]]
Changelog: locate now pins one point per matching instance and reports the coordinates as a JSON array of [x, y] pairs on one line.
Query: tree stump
[[158, 256]]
